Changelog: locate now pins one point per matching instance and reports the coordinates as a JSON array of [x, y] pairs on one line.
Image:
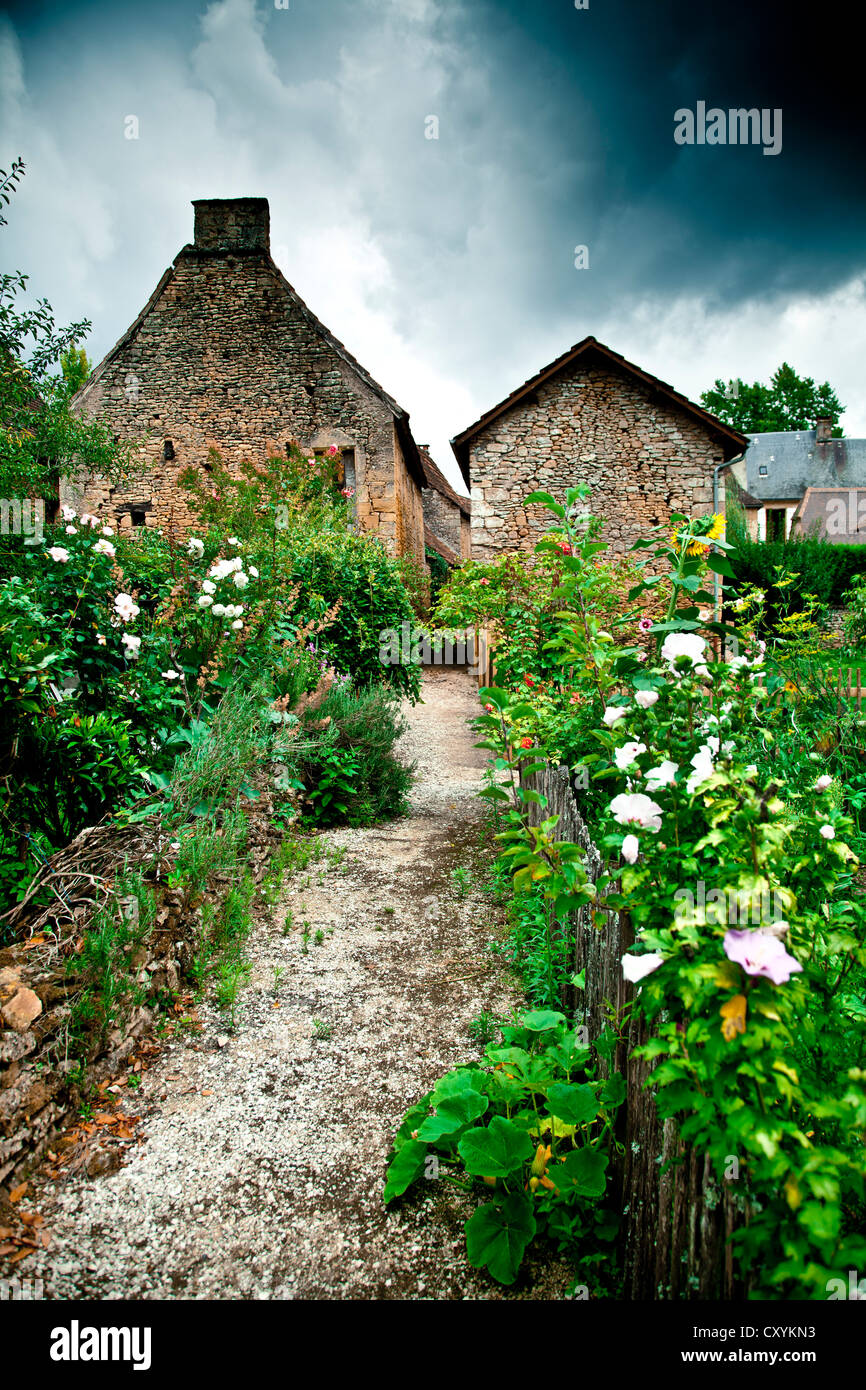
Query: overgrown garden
[[723, 780]]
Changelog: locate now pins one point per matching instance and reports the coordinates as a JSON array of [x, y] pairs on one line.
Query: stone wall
[[642, 458], [444, 519], [41, 1072], [225, 355]]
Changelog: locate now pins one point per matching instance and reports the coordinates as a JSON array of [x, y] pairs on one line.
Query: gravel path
[[261, 1168]]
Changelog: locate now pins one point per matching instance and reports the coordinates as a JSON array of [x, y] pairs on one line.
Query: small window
[[762, 471], [139, 518]]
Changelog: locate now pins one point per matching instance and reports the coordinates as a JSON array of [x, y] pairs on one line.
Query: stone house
[[225, 354], [804, 481], [592, 417], [447, 514]]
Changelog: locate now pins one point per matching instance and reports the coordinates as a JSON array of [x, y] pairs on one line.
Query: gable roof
[[436, 479], [401, 417], [794, 461], [591, 349]]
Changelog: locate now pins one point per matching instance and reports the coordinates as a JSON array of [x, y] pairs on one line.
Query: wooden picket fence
[[677, 1217]]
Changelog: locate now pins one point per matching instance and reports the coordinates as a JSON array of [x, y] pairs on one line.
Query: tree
[[40, 437], [76, 367], [789, 402]]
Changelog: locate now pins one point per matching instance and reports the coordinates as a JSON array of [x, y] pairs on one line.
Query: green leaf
[[497, 1235], [720, 564], [541, 1020], [406, 1167], [613, 1093], [495, 1151], [582, 1172], [453, 1113], [492, 695], [577, 1105], [546, 500]]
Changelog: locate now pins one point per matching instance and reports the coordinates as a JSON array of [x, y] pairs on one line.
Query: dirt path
[[261, 1168]]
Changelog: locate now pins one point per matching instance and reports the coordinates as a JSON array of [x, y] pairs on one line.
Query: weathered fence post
[[677, 1216]]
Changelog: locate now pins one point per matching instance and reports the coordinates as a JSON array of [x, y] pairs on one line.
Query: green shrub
[[824, 570], [352, 772], [531, 1129]]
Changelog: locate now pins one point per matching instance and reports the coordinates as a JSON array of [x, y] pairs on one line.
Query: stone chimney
[[823, 429], [226, 225]]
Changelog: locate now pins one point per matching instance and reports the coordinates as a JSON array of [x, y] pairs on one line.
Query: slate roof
[[731, 440], [437, 480], [794, 460]]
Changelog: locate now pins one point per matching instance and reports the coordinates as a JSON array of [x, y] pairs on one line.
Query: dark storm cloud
[[447, 265]]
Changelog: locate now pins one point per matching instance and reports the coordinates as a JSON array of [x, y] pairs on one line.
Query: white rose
[[196, 547], [68, 513], [823, 783], [208, 587], [828, 832], [646, 698], [103, 548], [253, 571], [127, 607], [205, 601], [237, 624], [58, 554], [71, 531]]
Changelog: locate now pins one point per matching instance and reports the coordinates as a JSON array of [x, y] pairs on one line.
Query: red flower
[[526, 743], [564, 547], [529, 680]]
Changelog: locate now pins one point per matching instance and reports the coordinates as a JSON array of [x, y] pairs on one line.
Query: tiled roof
[[437, 480]]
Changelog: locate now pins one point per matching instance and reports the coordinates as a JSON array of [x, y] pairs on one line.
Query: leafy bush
[[823, 569], [351, 771], [531, 1130], [712, 812]]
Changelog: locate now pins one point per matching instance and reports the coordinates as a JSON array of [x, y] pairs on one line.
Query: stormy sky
[[447, 265]]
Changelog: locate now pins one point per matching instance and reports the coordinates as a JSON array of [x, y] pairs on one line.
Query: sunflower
[[714, 527]]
